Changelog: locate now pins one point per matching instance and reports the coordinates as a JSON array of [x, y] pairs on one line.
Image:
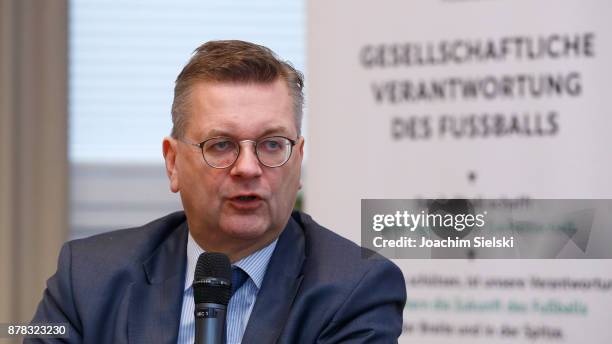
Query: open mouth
[[246, 202], [246, 198]]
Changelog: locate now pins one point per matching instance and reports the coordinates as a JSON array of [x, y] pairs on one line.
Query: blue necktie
[[238, 278]]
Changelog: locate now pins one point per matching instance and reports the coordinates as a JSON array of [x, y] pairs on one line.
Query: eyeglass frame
[[255, 142]]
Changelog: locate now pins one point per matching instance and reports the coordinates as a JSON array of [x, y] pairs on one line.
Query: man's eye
[[222, 146], [271, 145]]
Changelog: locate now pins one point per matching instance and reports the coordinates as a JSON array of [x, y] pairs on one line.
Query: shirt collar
[[254, 265]]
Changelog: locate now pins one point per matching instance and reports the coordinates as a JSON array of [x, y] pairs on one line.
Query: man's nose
[[246, 165]]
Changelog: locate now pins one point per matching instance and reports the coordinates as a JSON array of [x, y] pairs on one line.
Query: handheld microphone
[[211, 293]]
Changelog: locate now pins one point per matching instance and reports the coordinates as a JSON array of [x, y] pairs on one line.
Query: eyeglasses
[[222, 152]]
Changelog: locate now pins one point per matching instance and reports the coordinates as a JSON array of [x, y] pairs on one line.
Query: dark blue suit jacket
[[127, 287]]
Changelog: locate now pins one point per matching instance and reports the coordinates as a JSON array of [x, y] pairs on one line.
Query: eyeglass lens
[[222, 152]]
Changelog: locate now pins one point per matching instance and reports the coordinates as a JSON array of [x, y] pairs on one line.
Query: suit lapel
[[156, 298], [279, 287]]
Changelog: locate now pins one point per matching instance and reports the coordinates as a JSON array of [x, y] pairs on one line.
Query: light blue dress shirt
[[240, 305]]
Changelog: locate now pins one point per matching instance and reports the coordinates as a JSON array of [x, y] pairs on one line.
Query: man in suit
[[234, 156]]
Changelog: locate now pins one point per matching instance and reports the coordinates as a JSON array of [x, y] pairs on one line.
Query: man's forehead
[[241, 110], [216, 89], [204, 125]]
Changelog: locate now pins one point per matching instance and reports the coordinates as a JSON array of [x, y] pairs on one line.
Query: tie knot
[[238, 278]]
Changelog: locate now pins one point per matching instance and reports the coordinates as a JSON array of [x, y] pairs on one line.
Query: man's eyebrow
[[217, 132], [277, 130], [282, 130]]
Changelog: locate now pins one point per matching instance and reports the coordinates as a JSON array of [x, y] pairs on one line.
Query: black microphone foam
[[212, 279]]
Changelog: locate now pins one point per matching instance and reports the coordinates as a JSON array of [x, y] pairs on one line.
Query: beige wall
[[33, 149]]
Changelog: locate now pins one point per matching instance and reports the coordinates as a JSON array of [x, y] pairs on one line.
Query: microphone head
[[212, 279]]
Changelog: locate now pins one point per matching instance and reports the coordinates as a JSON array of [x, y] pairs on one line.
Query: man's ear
[[301, 146], [301, 150], [169, 147]]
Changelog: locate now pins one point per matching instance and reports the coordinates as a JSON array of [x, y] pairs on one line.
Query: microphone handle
[[209, 323]]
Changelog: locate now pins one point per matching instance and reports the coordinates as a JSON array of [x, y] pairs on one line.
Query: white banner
[[468, 99]]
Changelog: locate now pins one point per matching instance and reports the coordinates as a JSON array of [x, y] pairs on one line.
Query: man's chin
[[245, 227]]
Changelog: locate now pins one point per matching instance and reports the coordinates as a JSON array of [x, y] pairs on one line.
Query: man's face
[[212, 198]]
